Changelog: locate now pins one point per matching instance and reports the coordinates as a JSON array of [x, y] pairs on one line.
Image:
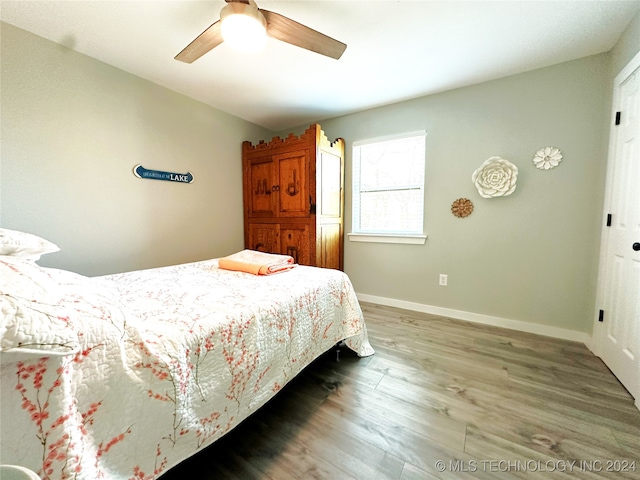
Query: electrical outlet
[[443, 280]]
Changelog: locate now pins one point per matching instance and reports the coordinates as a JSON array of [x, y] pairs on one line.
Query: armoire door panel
[[330, 185], [329, 245], [293, 191], [294, 241], [264, 237], [261, 173]]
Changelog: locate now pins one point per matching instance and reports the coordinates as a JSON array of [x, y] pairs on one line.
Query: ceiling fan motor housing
[[239, 8], [243, 26]]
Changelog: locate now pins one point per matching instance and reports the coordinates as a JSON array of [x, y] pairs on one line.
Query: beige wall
[[529, 257], [73, 128]]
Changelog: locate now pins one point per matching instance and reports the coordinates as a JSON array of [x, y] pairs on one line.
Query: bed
[[126, 375]]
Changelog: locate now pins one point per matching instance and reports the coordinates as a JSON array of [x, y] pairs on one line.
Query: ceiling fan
[[263, 22]]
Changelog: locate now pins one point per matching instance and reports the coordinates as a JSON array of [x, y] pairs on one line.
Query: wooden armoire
[[294, 198]]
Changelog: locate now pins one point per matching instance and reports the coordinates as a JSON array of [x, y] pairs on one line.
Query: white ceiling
[[397, 49]]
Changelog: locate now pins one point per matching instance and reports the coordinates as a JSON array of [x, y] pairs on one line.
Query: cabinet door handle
[[293, 252], [275, 188], [261, 187], [292, 188]]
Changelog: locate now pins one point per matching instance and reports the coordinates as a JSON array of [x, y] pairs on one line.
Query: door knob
[[636, 246]]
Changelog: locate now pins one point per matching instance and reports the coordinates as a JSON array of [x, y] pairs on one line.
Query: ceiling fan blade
[[290, 31], [206, 41]]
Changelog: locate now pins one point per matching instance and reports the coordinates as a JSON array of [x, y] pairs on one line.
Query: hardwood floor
[[441, 398]]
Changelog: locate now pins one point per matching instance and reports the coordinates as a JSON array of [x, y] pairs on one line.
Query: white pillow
[[24, 245], [32, 317], [26, 280]]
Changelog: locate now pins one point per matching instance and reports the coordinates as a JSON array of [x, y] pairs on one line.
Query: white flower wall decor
[[547, 158], [496, 177]]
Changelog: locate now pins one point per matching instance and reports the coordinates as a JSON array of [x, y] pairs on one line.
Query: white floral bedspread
[[124, 376]]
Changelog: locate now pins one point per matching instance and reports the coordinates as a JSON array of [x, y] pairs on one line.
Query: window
[[388, 188]]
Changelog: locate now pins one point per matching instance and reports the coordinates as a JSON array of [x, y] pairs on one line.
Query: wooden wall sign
[[141, 172]]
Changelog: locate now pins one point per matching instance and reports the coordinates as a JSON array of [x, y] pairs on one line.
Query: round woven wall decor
[[462, 207]]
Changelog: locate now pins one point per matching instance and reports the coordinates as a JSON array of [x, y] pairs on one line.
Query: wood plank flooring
[[441, 398]]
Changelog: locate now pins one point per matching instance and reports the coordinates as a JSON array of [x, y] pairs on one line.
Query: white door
[[617, 325]]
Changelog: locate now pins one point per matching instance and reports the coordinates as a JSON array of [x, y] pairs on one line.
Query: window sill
[[387, 238]]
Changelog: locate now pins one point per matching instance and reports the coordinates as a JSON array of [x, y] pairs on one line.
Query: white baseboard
[[546, 330]]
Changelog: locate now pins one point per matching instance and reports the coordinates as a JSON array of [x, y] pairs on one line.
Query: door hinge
[[608, 219], [618, 118], [601, 316]]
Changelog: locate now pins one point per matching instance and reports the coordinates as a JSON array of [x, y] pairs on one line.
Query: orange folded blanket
[[257, 263]]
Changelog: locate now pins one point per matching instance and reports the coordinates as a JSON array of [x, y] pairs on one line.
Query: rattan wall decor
[[462, 207]]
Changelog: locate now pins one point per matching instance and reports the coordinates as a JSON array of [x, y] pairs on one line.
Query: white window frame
[[418, 238]]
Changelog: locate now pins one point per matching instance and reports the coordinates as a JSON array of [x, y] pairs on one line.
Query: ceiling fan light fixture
[[243, 27], [246, 27]]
